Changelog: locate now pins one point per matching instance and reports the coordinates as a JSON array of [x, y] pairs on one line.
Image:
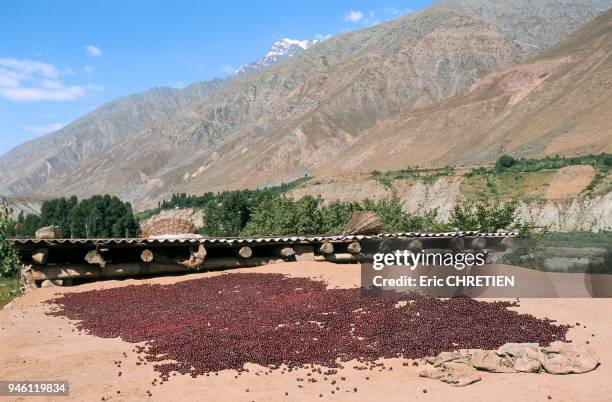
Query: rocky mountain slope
[[535, 24], [558, 103], [296, 116], [29, 166]]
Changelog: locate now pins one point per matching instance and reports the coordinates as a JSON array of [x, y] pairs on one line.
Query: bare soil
[[570, 181], [36, 346]]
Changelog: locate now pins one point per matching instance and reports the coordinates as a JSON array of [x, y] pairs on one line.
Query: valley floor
[[36, 346]]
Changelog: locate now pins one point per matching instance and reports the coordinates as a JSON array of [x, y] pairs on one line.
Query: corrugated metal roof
[[221, 241]]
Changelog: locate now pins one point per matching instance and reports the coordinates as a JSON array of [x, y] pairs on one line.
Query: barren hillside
[[27, 167], [557, 103]]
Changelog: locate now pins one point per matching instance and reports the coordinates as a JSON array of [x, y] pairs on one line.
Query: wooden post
[[385, 246], [244, 252], [95, 258], [354, 248], [196, 258], [285, 252], [457, 244], [40, 256], [326, 248], [506, 243], [146, 255], [415, 246], [304, 253], [479, 243], [115, 270], [341, 257], [201, 253]]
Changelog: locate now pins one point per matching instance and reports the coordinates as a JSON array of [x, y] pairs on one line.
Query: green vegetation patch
[[309, 216], [507, 185], [527, 178], [579, 239], [184, 200], [423, 175], [8, 257], [9, 289], [533, 250], [507, 163]]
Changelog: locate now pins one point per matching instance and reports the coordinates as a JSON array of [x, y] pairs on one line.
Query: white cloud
[[88, 70], [28, 67], [42, 94], [24, 80], [46, 129], [353, 16], [365, 19], [93, 51]]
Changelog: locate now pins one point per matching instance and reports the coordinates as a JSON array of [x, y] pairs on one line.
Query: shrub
[[8, 258], [385, 181], [528, 250]]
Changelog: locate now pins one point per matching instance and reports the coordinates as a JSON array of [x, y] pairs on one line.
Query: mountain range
[[459, 82]]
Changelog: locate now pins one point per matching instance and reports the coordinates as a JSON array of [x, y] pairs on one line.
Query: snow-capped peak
[[280, 50], [283, 46]]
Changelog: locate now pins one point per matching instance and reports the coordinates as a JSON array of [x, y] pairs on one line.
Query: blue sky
[[61, 59]]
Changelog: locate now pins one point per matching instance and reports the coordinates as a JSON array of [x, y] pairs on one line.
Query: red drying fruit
[[211, 324]]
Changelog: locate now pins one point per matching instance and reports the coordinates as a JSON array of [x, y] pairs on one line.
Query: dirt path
[[35, 346]]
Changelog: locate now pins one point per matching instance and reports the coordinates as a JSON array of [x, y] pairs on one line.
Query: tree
[[336, 215], [76, 223], [228, 215], [504, 162], [484, 216], [271, 217]]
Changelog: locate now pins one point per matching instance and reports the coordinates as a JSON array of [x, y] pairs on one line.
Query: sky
[[60, 59]]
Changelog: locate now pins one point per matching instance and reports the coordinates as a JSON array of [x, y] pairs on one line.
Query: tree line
[[507, 163], [184, 200], [261, 213], [97, 216]]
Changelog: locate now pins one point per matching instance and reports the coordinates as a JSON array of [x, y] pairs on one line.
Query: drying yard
[[277, 332]]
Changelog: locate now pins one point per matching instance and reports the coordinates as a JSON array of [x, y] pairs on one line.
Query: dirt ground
[[35, 346], [570, 181]]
